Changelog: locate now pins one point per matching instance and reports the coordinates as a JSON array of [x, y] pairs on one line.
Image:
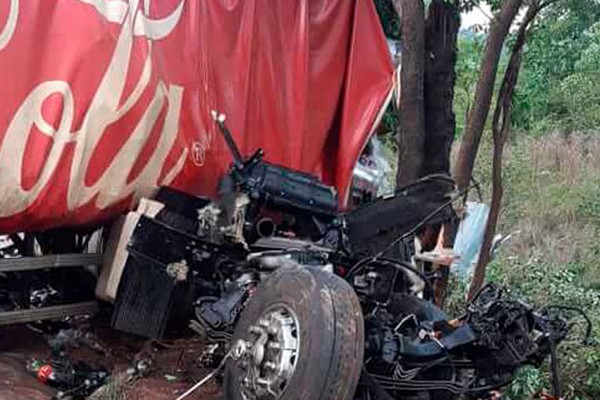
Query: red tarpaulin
[[102, 101]]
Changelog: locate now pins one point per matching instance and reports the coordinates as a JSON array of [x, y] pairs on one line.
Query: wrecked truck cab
[[328, 304]]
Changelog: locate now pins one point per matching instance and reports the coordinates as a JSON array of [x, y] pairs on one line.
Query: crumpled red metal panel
[[105, 100]]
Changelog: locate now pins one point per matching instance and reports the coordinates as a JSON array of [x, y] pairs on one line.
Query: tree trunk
[[500, 130], [441, 32], [483, 94], [411, 135]]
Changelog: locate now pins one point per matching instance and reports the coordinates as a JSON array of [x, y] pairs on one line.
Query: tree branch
[[467, 154], [500, 130]]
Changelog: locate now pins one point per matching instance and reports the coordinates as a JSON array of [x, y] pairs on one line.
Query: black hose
[[407, 267], [554, 368], [589, 326], [425, 179], [556, 385]]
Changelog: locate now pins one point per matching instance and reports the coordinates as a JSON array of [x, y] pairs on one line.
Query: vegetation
[[552, 180], [551, 200], [551, 207], [559, 82]]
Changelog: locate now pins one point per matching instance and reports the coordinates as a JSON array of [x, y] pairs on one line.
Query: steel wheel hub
[[271, 350]]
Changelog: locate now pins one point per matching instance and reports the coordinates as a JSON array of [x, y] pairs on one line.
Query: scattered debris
[[74, 380], [234, 353]]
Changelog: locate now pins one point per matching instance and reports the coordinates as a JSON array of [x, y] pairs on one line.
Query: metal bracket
[[45, 313], [49, 261]]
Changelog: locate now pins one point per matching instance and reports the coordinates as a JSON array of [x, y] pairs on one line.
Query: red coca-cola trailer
[[105, 101]]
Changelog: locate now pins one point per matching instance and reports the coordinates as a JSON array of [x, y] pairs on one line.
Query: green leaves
[[470, 49], [529, 380], [389, 18], [559, 82]]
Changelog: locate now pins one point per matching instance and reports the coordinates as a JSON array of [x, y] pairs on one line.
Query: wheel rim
[[271, 353]]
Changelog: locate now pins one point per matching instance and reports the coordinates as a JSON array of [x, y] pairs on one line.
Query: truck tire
[[301, 337]]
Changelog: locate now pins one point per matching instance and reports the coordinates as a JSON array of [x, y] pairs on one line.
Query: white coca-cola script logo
[[11, 23], [104, 109]]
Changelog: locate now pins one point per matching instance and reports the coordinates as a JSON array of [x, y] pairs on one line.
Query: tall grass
[[552, 204]]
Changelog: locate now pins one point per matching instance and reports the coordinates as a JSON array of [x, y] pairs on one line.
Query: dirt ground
[[173, 366]]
